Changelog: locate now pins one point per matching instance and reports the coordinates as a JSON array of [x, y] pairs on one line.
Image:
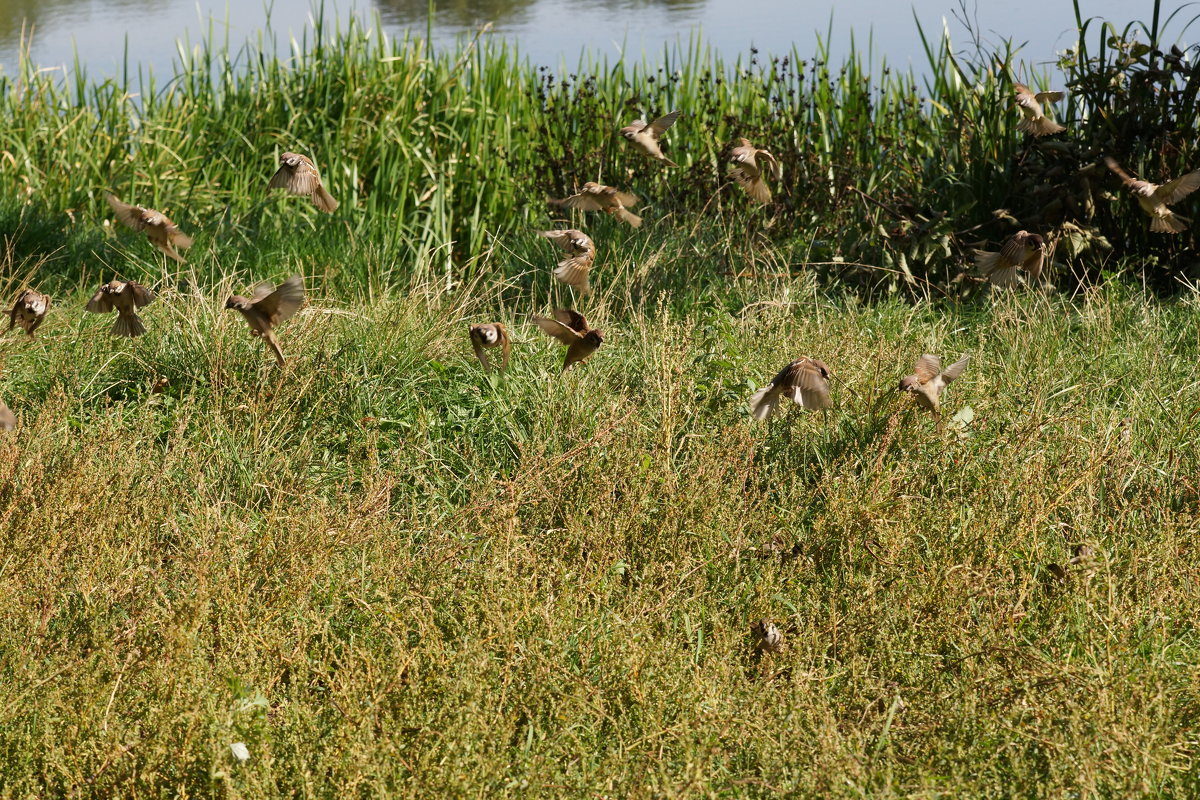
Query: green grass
[[390, 574]]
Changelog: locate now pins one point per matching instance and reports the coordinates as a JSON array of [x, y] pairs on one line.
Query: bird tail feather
[[323, 200], [1172, 223], [128, 325], [628, 216]]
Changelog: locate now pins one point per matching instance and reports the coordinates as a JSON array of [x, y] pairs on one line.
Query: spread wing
[[1112, 164], [130, 215], [625, 198], [927, 368], [583, 202], [1012, 253], [955, 369], [810, 388], [660, 125], [572, 319], [281, 178], [1178, 189], [1049, 97], [557, 330], [280, 304], [141, 295], [100, 302], [771, 162], [1034, 263]]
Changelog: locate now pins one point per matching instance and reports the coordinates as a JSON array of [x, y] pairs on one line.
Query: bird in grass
[[767, 638], [29, 311], [161, 232], [749, 165], [570, 328], [928, 381], [8, 420], [1033, 120], [125, 297], [1154, 199], [1022, 252], [598, 197], [268, 306], [298, 174], [805, 381], [644, 136], [485, 337], [581, 252]]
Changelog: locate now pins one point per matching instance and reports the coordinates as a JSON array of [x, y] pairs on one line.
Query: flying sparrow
[[928, 381], [598, 197], [484, 337], [161, 232], [573, 270], [645, 136], [805, 380], [570, 328], [1154, 199], [1024, 251], [125, 297], [29, 311], [298, 174], [767, 638], [750, 163], [267, 307], [1033, 121]]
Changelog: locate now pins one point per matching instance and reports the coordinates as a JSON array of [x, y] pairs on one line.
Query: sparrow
[[1023, 251], [928, 381], [267, 307], [161, 232], [1154, 199], [573, 270], [298, 174], [126, 297], [598, 197], [750, 163], [645, 137], [484, 337], [29, 311], [1032, 119], [8, 420], [570, 328], [805, 380], [767, 638]]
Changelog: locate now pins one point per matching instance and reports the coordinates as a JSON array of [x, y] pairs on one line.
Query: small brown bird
[[298, 174], [8, 420], [1024, 251], [29, 311], [928, 381], [570, 328], [598, 197], [267, 307], [1154, 199], [805, 380], [573, 270], [125, 297], [484, 337], [161, 232], [767, 638], [645, 136], [1033, 121], [749, 165]]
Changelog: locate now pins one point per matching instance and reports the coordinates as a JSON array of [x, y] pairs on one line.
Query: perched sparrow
[[598, 197], [161, 232], [1023, 251], [767, 638], [750, 163], [570, 328], [928, 381], [126, 297], [1032, 119], [573, 270], [1154, 199], [645, 137], [29, 311], [484, 337], [805, 380], [298, 174], [267, 307]]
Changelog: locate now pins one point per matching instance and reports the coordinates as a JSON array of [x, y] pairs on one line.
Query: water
[[547, 31]]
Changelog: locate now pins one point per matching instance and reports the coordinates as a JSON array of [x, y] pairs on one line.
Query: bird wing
[[1178, 189], [660, 125], [304, 179], [1112, 164], [1034, 263], [810, 387], [572, 319], [583, 202], [557, 330], [140, 294], [1049, 97], [772, 162], [625, 198], [927, 367], [281, 178], [955, 369], [482, 356], [564, 239], [280, 304], [100, 302], [1013, 252], [130, 215]]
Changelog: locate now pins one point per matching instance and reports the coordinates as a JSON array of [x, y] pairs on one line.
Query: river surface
[[552, 32]]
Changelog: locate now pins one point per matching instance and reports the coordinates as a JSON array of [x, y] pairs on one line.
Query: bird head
[[238, 302], [591, 186], [485, 334], [112, 287], [822, 367], [149, 217], [289, 160], [631, 130], [594, 337], [1035, 241], [908, 383]]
